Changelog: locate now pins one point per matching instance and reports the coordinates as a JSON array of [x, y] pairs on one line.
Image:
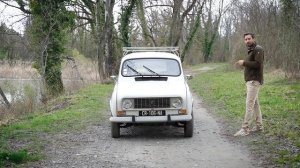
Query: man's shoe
[[257, 129], [241, 132]]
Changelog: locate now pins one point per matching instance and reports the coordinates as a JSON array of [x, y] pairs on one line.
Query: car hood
[[151, 89]]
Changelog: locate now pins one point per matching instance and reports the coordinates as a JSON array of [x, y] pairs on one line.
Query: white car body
[[162, 98]]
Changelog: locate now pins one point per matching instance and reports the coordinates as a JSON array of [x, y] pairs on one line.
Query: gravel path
[[148, 146]]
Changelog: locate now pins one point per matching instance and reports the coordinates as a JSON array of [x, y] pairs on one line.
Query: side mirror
[[114, 77], [189, 77]]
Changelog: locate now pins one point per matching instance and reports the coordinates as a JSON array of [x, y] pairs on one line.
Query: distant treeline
[[13, 45]]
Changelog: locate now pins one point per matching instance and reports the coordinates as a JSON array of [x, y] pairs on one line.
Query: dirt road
[[148, 146]]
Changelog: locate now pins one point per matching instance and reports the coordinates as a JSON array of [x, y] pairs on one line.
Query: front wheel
[[189, 128], [115, 130]]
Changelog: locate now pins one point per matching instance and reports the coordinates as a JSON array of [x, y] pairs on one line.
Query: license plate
[[152, 113]]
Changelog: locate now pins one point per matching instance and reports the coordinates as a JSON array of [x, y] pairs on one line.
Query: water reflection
[[16, 89]]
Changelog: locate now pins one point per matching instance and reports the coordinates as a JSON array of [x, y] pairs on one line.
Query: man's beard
[[249, 44]]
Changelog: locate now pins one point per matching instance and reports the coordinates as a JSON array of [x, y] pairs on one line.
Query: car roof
[[150, 55]]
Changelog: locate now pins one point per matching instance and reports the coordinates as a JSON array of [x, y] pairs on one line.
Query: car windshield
[[151, 67]]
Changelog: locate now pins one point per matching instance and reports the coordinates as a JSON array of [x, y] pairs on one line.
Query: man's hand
[[240, 62]]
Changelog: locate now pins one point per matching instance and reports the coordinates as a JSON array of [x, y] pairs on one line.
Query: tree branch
[[152, 6], [20, 7], [188, 10]]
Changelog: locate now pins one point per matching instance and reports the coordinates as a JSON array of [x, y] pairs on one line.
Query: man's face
[[249, 40]]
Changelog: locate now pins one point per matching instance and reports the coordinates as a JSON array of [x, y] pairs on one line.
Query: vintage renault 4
[[151, 88]]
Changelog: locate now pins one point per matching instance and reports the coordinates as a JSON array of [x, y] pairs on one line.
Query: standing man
[[253, 74]]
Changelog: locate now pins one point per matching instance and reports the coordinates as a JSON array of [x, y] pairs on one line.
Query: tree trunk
[[109, 55], [175, 25], [100, 38], [210, 32], [125, 20], [146, 33], [51, 19], [4, 98], [109, 34], [193, 32], [177, 22]]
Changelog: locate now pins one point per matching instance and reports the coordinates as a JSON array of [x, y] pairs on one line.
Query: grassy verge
[[21, 141], [225, 91]]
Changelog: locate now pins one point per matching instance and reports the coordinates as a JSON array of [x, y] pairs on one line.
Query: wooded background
[[204, 30]]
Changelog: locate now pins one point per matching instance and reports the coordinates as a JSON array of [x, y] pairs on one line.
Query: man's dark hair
[[251, 34]]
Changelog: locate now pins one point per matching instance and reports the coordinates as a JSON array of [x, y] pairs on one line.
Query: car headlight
[[176, 102], [127, 103]]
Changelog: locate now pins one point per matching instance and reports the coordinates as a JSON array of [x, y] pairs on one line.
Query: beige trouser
[[252, 105]]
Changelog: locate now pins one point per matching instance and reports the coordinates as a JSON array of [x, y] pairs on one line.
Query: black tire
[[115, 130], [189, 128]]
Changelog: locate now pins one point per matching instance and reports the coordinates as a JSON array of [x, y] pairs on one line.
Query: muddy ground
[[149, 146]]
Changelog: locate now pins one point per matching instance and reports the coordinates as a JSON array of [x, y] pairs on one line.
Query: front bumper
[[151, 119]]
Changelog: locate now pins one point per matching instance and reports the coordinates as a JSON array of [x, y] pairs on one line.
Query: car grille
[[152, 103]]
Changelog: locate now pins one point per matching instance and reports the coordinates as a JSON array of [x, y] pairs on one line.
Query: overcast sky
[[11, 16]]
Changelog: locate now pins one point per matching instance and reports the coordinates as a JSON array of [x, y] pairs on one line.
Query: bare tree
[[194, 28], [148, 38], [105, 43], [177, 21], [99, 16], [276, 28], [211, 27]]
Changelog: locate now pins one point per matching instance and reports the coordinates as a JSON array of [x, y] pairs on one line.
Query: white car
[[151, 88]]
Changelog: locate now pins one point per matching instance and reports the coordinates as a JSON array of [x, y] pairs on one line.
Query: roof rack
[[173, 50]]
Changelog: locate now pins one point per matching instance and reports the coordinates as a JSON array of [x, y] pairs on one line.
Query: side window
[[173, 68], [126, 71]]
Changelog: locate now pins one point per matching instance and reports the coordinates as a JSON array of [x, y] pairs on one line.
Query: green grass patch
[[17, 157], [224, 89], [77, 111]]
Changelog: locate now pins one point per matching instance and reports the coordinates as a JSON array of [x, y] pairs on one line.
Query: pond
[[15, 89]]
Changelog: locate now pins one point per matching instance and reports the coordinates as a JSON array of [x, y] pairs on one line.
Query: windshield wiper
[[150, 70], [137, 72]]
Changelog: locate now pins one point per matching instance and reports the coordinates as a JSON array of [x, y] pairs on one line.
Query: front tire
[[115, 130], [189, 128]]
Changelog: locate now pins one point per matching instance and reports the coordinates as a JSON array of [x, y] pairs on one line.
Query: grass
[[224, 89], [17, 157], [17, 70], [75, 112]]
